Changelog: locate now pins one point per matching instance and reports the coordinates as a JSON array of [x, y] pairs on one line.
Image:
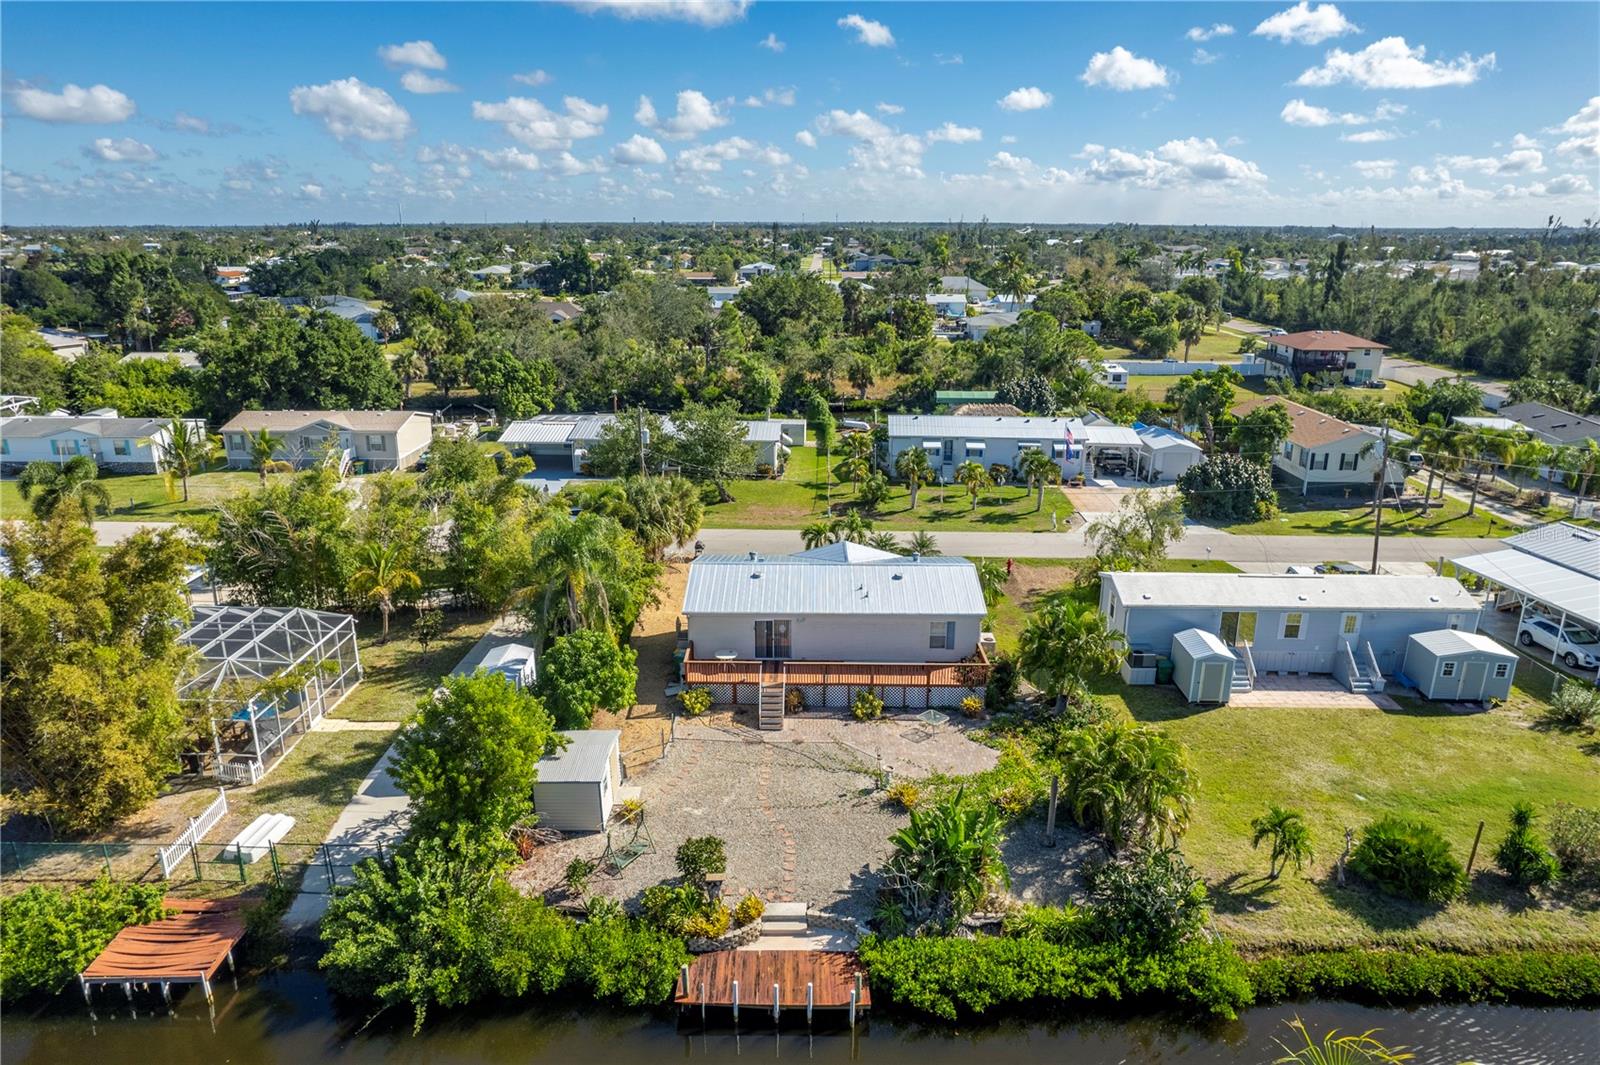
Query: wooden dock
[[742, 980], [187, 947]]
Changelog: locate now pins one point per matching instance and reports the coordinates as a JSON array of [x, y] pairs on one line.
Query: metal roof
[[807, 583], [546, 429], [41, 425], [586, 428], [1000, 427], [1290, 591], [1111, 436], [507, 654], [1156, 437], [1556, 586], [1563, 543], [586, 759], [1456, 642], [1202, 644]]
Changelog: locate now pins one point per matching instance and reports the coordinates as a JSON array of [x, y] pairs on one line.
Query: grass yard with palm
[[801, 495], [1311, 514], [136, 496]]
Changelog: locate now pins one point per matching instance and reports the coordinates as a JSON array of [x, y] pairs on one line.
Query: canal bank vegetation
[[49, 935]]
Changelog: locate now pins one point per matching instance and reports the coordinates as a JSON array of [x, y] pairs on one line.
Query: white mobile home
[[378, 439], [563, 441], [1352, 626], [122, 445], [951, 439], [577, 785]]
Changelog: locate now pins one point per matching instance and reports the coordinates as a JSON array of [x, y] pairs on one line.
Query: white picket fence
[[174, 852]]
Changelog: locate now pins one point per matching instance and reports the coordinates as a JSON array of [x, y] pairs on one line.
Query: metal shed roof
[[507, 654], [1289, 591], [800, 584], [1202, 644], [1111, 436], [586, 758], [1554, 585], [1456, 642]]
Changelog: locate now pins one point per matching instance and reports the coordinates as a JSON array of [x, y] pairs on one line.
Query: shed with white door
[[1202, 666], [1459, 666], [577, 785]]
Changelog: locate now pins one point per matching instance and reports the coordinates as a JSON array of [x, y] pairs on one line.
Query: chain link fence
[[204, 869]]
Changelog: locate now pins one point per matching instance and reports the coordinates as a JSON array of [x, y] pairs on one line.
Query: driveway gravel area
[[799, 808]]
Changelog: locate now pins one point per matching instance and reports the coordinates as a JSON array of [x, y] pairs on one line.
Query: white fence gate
[[173, 853]]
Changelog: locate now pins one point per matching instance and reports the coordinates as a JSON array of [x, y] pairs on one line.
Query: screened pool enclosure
[[265, 675]]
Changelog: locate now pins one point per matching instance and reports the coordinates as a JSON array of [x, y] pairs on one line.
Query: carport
[[1553, 569], [1100, 440]]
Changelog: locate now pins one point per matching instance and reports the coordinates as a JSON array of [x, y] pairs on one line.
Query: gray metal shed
[[1202, 666], [578, 784], [517, 662], [1463, 666]]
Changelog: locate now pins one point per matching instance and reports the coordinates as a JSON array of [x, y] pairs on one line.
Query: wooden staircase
[[769, 704]]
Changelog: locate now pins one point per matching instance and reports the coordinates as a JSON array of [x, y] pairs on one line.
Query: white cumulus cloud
[[425, 84], [507, 160], [541, 127], [99, 104], [639, 150], [1029, 98], [771, 43], [1380, 169], [1304, 24], [805, 138], [1203, 58], [1123, 71], [780, 97], [1205, 33], [1369, 136], [1582, 131], [695, 115], [351, 108], [1392, 64], [1176, 163], [121, 150], [870, 33], [534, 78], [708, 13], [311, 191], [412, 54], [889, 109], [950, 133], [1522, 159]]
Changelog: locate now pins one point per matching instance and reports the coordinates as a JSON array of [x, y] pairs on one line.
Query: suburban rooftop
[[836, 579], [1312, 428], [1287, 591]]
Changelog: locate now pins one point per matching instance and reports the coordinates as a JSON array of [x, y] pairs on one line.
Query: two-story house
[[375, 439], [1324, 455], [1293, 355]]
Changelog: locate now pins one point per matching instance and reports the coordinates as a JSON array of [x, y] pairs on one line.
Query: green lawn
[[398, 674], [1308, 514], [1346, 767], [801, 495], [137, 496]]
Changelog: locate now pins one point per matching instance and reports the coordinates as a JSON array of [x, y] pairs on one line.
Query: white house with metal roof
[[1352, 626], [124, 445], [563, 441], [951, 439]]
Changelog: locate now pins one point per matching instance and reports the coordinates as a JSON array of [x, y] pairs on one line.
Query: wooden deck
[[186, 948], [831, 974]]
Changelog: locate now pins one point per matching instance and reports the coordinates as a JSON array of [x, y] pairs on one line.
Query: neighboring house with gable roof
[[124, 445], [1315, 351], [1324, 455], [380, 439]]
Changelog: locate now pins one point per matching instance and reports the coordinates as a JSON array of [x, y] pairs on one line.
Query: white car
[[1576, 646]]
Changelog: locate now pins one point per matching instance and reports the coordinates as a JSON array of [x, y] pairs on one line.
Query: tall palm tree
[[1290, 839], [912, 467], [1433, 440], [1532, 454], [384, 324], [1014, 275], [262, 446], [972, 476], [1487, 449], [188, 451], [858, 450], [47, 486], [991, 580], [1580, 462], [817, 534], [578, 564], [409, 366], [1131, 783], [662, 511], [923, 543], [1191, 326], [1063, 644], [1038, 469], [852, 527], [382, 578]]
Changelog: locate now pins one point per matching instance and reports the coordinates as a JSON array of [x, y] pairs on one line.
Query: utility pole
[[639, 423], [1377, 490]]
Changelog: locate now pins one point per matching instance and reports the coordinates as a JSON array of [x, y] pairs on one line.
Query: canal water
[[289, 1018]]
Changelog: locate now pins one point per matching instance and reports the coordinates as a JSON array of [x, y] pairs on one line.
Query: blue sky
[[1350, 114]]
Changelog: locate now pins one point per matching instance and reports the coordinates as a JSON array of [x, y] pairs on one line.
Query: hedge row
[[1384, 977]]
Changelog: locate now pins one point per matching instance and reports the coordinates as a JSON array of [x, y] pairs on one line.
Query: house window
[[119, 447], [1319, 462], [377, 443], [1305, 458], [1351, 624], [1288, 451], [235, 441], [941, 635], [1111, 611], [5, 447], [1447, 669], [1293, 625], [1502, 670], [1348, 460]]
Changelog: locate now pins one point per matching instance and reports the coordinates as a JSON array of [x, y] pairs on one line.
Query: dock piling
[[775, 1002], [702, 1001], [852, 1009], [810, 1001], [736, 1002], [683, 978]]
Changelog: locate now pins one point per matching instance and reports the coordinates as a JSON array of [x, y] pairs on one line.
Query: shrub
[[1228, 488], [1064, 925], [1522, 855], [48, 935], [586, 671], [626, 961], [794, 701], [946, 860], [670, 907], [695, 701], [701, 855], [905, 794], [1575, 839], [1419, 974], [1001, 691], [1151, 898], [630, 810], [955, 978], [711, 922], [579, 870], [1408, 858], [972, 706], [1575, 706], [866, 707], [749, 910]]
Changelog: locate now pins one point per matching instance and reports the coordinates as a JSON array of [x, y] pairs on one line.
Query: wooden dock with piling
[[186, 947], [772, 983]]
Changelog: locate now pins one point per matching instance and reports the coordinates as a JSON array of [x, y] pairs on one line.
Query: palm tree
[[1486, 449], [409, 366], [662, 511], [384, 324], [1131, 783], [885, 541], [1580, 462], [382, 578], [923, 543], [912, 467], [1291, 840], [858, 448], [852, 527], [974, 478], [947, 859], [1038, 469], [47, 486], [992, 580], [1012, 270], [1065, 642], [1191, 326], [817, 534], [1531, 455], [188, 451], [262, 446], [578, 563], [1432, 442]]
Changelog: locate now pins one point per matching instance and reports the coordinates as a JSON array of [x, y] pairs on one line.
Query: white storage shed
[[577, 785], [1202, 666], [517, 662]]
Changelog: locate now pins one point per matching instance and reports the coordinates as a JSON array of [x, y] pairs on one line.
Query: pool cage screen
[[245, 649]]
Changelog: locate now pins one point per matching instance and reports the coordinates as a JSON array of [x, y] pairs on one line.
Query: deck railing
[[697, 672]]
